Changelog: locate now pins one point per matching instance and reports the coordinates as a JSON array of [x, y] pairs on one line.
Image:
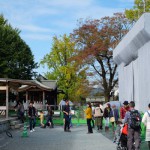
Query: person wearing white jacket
[[146, 121], [98, 117]]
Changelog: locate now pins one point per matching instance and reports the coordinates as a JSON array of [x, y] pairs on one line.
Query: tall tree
[[140, 6], [16, 58], [96, 40], [71, 79]]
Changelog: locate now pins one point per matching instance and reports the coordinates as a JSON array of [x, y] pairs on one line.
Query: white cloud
[[97, 12], [62, 13], [40, 20], [37, 36], [34, 28]]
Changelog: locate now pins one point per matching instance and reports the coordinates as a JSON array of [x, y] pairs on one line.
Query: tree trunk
[[107, 96]]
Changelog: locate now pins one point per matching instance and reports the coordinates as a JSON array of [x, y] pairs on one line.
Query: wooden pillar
[[26, 96], [43, 98], [7, 97]]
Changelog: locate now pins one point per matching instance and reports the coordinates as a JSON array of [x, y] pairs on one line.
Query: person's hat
[[125, 103]]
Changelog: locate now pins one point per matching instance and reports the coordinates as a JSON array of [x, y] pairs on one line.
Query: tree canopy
[[71, 78], [16, 58], [140, 6], [96, 40]]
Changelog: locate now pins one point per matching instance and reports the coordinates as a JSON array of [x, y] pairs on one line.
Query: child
[[118, 132], [41, 118]]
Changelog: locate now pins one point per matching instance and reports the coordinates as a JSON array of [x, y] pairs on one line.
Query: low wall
[[5, 124]]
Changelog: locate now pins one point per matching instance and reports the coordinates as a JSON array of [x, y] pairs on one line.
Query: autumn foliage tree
[[96, 40], [69, 75]]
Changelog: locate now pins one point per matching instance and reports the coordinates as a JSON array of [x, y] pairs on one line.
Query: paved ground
[[56, 139]]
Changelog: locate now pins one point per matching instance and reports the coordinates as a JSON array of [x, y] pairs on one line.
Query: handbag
[[125, 129], [112, 119]]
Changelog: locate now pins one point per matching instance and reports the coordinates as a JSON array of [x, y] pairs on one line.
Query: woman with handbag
[[106, 116], [97, 115], [114, 116]]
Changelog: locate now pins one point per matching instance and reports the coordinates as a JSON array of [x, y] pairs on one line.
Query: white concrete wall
[[133, 58]]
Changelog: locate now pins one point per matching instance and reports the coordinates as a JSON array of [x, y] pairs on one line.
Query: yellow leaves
[[61, 64], [68, 76]]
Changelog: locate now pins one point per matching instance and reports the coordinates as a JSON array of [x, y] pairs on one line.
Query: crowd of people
[[126, 123], [33, 115]]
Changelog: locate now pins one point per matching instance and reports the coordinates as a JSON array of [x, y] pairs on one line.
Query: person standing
[[70, 118], [41, 118], [88, 113], [146, 121], [115, 114], [20, 110], [32, 116], [66, 112], [124, 109], [133, 119], [93, 118], [49, 121], [97, 115], [101, 115], [106, 116]]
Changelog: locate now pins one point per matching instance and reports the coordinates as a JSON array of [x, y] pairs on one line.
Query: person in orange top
[[88, 113]]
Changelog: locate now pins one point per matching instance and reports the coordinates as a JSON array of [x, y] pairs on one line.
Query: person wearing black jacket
[[106, 116], [32, 116], [66, 112], [20, 110], [49, 117]]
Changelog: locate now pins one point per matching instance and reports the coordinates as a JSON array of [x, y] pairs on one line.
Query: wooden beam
[[2, 88]]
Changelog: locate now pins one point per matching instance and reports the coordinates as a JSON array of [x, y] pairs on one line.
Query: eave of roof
[[17, 81], [38, 85]]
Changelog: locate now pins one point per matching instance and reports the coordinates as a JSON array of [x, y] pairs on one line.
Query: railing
[[2, 110]]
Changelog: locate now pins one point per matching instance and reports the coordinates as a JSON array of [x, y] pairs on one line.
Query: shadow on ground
[[110, 135]]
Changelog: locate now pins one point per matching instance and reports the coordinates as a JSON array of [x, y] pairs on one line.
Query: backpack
[[148, 113], [135, 120]]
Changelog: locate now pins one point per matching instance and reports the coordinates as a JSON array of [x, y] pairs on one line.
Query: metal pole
[[7, 97], [144, 5]]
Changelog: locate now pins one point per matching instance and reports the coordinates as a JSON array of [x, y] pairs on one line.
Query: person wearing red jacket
[[124, 109]]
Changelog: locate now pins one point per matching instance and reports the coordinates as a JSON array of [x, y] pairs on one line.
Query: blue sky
[[40, 20]]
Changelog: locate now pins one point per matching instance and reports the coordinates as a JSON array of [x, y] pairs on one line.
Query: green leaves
[[63, 68], [140, 6], [16, 59]]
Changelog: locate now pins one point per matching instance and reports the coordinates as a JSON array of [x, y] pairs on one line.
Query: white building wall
[[144, 76], [133, 58]]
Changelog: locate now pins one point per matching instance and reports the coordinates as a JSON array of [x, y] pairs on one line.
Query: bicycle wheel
[[9, 134]]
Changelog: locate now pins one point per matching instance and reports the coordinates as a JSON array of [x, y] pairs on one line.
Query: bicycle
[[8, 133]]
